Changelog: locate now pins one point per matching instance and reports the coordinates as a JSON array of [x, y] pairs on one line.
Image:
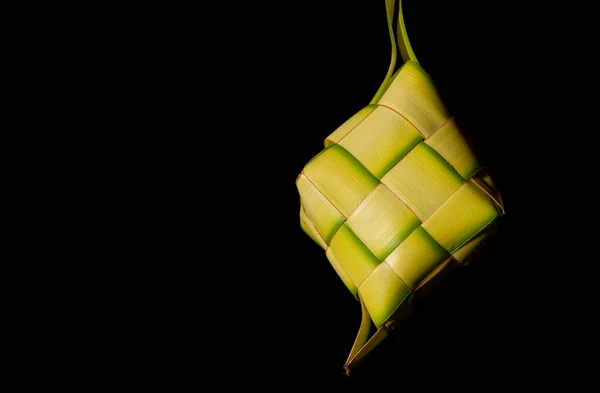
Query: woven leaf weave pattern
[[396, 196]]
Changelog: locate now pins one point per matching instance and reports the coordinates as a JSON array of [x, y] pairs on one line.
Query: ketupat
[[397, 197]]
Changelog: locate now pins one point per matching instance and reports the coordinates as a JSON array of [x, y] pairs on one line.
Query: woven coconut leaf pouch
[[397, 199]]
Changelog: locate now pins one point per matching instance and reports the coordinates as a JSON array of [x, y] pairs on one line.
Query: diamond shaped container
[[396, 198]]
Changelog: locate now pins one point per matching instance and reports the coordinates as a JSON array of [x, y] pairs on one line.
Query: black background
[[234, 289]]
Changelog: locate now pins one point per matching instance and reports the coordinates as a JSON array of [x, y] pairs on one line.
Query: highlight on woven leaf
[[382, 221], [356, 258], [309, 228], [423, 180], [450, 144], [340, 177], [416, 258], [412, 94], [382, 139], [349, 125], [318, 211], [341, 271], [383, 291], [465, 213]]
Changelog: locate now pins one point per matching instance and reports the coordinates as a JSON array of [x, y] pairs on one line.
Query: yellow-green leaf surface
[[381, 140], [353, 255], [485, 182], [349, 125], [464, 214], [383, 292], [413, 95], [404, 45], [341, 272], [417, 256], [341, 178], [308, 227], [319, 210], [382, 221], [451, 144], [423, 180]]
